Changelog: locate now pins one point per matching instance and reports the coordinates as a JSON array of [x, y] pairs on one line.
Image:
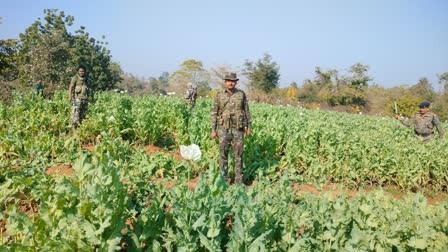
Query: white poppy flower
[[190, 152]]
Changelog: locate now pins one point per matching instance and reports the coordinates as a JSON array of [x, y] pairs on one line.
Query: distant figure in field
[[231, 121], [190, 95], [79, 91], [424, 123], [38, 87]]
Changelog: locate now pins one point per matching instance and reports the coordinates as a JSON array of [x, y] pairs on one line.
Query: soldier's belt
[[424, 135], [77, 102]]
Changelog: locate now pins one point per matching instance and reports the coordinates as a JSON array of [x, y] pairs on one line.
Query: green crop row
[[103, 206], [312, 145]]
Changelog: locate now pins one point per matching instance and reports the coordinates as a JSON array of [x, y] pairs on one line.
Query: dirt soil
[[62, 169], [192, 184], [89, 147], [333, 188], [152, 149], [14, 167], [2, 227], [25, 206]]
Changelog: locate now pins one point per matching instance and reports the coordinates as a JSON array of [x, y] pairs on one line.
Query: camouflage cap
[[38, 78], [189, 84], [230, 76], [424, 105]]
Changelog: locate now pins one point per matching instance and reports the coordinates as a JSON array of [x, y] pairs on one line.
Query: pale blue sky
[[402, 41]]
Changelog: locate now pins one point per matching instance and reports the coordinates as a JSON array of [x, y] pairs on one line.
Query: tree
[[8, 59], [153, 84], [443, 80], [263, 74], [407, 105], [49, 60], [203, 88], [294, 85], [359, 78], [48, 50], [96, 58], [45, 50], [163, 80], [217, 74], [440, 106], [325, 79], [190, 71], [424, 90]]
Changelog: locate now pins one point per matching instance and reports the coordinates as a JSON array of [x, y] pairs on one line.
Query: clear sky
[[400, 40]]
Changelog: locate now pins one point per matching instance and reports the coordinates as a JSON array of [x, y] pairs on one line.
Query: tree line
[[47, 49]]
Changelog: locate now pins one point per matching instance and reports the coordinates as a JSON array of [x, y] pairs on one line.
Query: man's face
[[424, 110], [81, 72], [39, 81], [230, 84]]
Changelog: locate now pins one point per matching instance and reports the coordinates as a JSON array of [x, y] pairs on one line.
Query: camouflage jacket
[[424, 124], [38, 89], [189, 93], [231, 110], [81, 89]]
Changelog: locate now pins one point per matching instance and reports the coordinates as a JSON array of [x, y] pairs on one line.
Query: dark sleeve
[[438, 124], [215, 112], [246, 117]]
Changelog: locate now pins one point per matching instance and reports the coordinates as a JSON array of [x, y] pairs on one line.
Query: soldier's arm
[[438, 124], [247, 120], [408, 122], [70, 88], [70, 91], [215, 111]]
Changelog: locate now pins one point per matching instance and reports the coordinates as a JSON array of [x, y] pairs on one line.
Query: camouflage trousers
[[236, 137], [79, 112], [191, 102], [424, 138]]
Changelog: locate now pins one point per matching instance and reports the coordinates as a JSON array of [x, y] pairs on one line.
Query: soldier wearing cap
[[38, 87], [79, 91], [424, 123], [231, 121]]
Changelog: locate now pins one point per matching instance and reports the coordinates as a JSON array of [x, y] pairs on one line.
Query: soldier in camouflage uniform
[[38, 87], [231, 121], [79, 92], [190, 95], [424, 123]]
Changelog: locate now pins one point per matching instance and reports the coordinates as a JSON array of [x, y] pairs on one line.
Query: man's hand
[[247, 132], [398, 117], [213, 135]]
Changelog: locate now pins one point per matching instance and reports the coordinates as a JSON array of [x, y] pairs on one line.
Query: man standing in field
[[79, 91], [231, 121], [190, 95], [38, 87], [424, 122]]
